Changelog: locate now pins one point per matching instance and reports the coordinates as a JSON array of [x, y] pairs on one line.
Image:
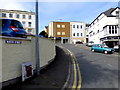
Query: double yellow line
[[77, 74]]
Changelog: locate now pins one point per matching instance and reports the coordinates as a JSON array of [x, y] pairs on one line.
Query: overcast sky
[[67, 11]]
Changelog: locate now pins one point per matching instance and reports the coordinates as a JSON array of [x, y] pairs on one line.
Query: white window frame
[[58, 25], [63, 26], [73, 34], [30, 30], [63, 33], [58, 33]]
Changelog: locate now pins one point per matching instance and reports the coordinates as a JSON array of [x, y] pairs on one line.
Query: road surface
[[98, 70]]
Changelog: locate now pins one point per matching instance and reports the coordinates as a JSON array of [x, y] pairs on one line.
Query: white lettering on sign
[[12, 42]]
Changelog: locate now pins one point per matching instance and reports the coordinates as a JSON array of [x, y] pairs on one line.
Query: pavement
[[53, 76]]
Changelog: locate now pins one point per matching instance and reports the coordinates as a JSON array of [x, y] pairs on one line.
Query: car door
[[96, 47], [99, 48]]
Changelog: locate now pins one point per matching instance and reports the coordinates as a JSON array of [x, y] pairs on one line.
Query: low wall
[[23, 50]]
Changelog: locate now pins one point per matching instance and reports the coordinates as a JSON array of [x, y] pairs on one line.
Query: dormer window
[[117, 12]]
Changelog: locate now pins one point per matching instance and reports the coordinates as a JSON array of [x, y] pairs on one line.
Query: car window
[[94, 45], [3, 22], [98, 45], [105, 46], [16, 24]]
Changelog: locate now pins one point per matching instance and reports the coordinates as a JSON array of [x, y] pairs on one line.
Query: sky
[[72, 10]]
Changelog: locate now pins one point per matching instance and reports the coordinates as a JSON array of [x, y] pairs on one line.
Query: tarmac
[[51, 77]]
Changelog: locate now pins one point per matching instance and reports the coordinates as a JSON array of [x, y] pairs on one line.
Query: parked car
[[78, 42], [116, 47], [90, 43], [102, 48], [12, 28]]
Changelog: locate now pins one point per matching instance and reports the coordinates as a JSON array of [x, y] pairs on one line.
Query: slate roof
[[109, 11]]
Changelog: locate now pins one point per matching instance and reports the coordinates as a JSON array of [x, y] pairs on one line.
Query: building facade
[[78, 32], [104, 29], [60, 30], [87, 33], [25, 17], [67, 32]]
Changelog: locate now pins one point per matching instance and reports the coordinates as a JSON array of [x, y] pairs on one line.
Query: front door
[[65, 41]]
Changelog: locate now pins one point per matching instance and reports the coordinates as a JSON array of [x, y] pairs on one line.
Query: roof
[[109, 11], [4, 10]]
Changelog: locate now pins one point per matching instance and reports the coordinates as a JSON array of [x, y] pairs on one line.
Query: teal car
[[102, 48]]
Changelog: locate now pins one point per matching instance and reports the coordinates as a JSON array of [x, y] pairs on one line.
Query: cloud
[[12, 5], [61, 0]]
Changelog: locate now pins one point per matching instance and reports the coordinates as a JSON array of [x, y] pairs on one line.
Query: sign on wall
[[27, 70], [13, 42]]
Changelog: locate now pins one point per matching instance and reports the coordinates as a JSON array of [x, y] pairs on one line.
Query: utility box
[[27, 70]]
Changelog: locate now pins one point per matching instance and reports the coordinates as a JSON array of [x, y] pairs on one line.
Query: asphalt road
[[98, 70]]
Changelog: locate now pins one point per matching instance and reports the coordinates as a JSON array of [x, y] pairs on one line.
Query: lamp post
[[37, 41]]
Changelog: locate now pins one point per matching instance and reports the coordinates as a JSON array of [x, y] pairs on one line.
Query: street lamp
[[37, 41]]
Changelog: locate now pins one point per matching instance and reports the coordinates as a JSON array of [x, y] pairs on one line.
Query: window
[[77, 34], [63, 33], [77, 26], [29, 17], [23, 16], [112, 29], [17, 16], [73, 34], [58, 26], [10, 15], [29, 30], [81, 26], [58, 33], [73, 26], [63, 26], [109, 29], [16, 24], [29, 24], [4, 21], [23, 23], [115, 29], [98, 31], [117, 12], [81, 34], [3, 14]]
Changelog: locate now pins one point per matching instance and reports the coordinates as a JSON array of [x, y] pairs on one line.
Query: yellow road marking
[[74, 86], [75, 79], [80, 79]]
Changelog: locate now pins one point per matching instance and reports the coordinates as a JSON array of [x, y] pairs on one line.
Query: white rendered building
[[25, 17], [78, 32], [104, 29]]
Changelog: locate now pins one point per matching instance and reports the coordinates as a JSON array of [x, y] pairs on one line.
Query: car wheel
[[112, 52], [93, 50], [105, 52]]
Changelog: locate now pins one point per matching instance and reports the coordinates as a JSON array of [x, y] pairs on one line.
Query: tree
[[43, 33]]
